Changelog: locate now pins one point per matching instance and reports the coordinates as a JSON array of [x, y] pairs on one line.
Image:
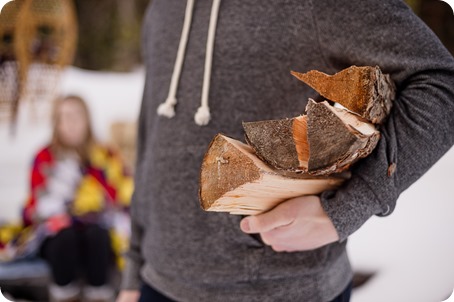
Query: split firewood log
[[362, 90], [298, 156], [233, 179], [324, 141]]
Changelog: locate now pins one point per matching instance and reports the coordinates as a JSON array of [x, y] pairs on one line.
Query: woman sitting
[[79, 196]]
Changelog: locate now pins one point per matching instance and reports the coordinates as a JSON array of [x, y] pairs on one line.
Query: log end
[[329, 138], [273, 142], [225, 167], [337, 138]]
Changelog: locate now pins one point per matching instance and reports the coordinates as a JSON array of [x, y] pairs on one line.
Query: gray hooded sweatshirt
[[191, 255]]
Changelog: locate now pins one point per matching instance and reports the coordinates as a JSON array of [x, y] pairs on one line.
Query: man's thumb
[[265, 222]]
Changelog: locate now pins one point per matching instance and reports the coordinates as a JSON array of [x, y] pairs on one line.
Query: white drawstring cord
[[168, 107], [202, 117]]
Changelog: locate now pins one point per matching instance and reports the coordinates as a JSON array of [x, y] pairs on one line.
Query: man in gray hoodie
[[211, 65]]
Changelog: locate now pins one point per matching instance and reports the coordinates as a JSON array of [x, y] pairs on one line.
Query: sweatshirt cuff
[[350, 206], [131, 279]]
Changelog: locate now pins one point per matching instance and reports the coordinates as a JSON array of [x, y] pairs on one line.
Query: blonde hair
[[57, 145]]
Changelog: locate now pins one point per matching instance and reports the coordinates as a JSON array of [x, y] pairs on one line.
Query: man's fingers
[[275, 236], [267, 221]]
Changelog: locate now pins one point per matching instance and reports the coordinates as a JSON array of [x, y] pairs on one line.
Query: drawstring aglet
[[167, 108], [202, 117]]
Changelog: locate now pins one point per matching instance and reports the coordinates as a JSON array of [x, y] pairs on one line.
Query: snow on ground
[[411, 251], [2, 3]]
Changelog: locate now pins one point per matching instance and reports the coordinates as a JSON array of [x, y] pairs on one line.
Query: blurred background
[[92, 49]]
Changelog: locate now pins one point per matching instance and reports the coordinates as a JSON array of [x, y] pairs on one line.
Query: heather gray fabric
[[190, 255]]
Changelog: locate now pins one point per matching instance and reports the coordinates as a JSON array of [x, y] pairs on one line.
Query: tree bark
[[362, 90], [324, 141]]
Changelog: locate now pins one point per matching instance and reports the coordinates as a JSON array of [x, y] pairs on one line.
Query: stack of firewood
[[298, 156]]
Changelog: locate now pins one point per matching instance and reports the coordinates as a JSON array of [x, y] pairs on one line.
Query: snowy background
[[411, 252]]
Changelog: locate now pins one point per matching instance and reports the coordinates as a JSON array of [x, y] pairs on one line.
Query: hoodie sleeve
[[420, 128]]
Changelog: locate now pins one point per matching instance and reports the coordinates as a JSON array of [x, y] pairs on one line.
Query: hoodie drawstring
[[168, 107], [202, 117]]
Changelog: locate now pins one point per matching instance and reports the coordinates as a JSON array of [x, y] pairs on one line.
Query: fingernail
[[245, 225]]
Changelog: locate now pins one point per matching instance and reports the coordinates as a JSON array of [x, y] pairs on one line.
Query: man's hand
[[128, 296], [298, 224]]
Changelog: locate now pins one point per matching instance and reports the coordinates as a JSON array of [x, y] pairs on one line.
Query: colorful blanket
[[102, 196]]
